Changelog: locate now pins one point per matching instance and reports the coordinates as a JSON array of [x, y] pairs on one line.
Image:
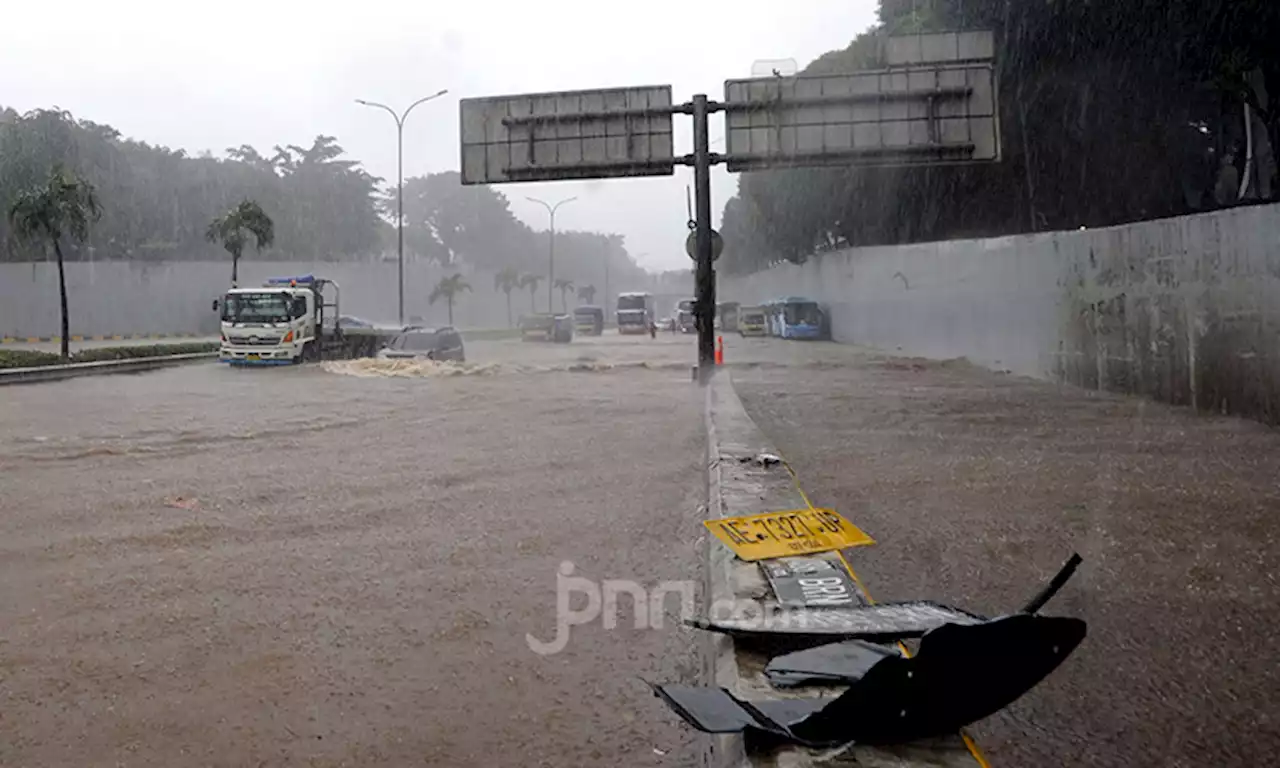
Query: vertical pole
[[605, 303], [551, 278], [704, 278], [400, 213]]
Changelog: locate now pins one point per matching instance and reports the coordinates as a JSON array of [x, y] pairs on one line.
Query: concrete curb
[[736, 485], [39, 373]]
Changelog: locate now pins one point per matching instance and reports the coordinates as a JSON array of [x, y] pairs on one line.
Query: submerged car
[[425, 344]]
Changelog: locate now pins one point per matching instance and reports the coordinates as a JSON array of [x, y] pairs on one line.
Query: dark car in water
[[426, 344]]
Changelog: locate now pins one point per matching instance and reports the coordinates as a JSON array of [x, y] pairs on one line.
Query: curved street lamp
[[400, 118], [551, 210]]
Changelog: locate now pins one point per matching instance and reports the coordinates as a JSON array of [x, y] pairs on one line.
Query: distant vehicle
[[589, 320], [685, 320], [796, 317], [751, 321], [289, 320], [555, 328], [426, 344], [635, 312], [727, 315]]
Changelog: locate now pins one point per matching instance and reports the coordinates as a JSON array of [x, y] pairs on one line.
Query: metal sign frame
[[591, 134], [926, 97], [923, 114]]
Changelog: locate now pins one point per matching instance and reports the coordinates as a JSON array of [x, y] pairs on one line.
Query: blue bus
[[796, 317]]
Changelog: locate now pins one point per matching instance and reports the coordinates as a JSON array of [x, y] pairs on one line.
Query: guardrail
[[38, 373]]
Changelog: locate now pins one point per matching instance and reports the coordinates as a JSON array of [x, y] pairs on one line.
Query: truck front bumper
[[257, 355]]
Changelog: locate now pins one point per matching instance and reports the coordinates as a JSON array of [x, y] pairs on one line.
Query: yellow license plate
[[781, 534], [252, 356]]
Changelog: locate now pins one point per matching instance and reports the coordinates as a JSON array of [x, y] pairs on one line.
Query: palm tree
[[587, 293], [564, 286], [531, 282], [65, 203], [448, 289], [234, 227], [507, 280]]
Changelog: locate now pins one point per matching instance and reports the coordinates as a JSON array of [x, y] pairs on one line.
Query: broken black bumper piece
[[961, 674], [968, 667]]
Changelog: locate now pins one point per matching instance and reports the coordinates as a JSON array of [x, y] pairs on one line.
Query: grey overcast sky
[[210, 75]]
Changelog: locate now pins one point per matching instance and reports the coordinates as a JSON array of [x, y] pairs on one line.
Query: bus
[[796, 317], [635, 312]]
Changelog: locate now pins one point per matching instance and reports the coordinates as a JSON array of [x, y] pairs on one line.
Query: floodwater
[[977, 486], [211, 566]]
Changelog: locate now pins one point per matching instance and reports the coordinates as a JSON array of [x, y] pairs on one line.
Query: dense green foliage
[[157, 204], [1111, 112]]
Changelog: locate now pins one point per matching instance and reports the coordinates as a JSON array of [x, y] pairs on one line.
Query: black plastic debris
[[966, 669], [834, 663], [960, 675], [882, 622]]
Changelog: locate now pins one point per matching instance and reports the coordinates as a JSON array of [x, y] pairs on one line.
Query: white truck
[[290, 320], [635, 312]]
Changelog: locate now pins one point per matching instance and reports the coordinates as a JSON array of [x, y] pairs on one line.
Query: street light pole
[[400, 118], [551, 210]]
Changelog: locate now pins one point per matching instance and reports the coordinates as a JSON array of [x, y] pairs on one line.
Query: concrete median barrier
[[738, 484], [35, 374]]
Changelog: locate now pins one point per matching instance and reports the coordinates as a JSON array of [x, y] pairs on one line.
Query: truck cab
[[280, 323]]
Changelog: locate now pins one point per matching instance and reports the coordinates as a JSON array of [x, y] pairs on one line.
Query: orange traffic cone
[[719, 350]]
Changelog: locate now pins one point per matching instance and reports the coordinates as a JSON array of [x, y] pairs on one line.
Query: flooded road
[[977, 486], [205, 566]]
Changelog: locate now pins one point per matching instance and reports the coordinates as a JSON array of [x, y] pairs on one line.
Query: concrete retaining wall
[[134, 298], [174, 297], [1183, 310]]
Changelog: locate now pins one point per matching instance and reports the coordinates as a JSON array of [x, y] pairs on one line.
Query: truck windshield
[[255, 308], [686, 305], [631, 302]]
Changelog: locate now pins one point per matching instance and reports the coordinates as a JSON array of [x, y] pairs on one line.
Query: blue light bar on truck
[[299, 280]]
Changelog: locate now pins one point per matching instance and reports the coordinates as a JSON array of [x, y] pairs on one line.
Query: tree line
[[157, 204], [1110, 113]]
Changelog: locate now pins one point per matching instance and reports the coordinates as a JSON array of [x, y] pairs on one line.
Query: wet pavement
[[977, 486], [339, 566], [204, 566]]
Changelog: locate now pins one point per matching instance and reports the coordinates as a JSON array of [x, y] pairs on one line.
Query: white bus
[[635, 312]]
